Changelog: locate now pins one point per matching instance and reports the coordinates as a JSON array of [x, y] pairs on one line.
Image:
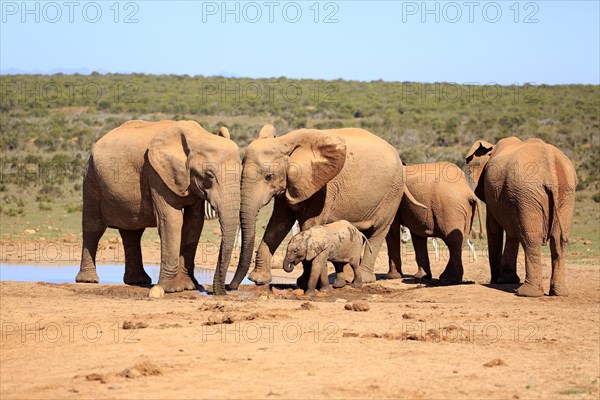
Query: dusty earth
[[390, 339]]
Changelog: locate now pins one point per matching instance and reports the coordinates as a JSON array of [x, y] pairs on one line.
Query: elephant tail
[[475, 211], [411, 198], [365, 246]]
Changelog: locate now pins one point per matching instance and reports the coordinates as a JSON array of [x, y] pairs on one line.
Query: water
[[106, 273]]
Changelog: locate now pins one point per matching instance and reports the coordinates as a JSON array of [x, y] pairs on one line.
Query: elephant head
[[305, 246], [191, 161], [296, 251], [296, 166], [476, 160]]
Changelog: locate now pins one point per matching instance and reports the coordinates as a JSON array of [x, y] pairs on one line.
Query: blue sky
[[550, 42]]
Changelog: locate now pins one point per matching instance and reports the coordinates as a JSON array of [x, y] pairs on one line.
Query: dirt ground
[[400, 339]]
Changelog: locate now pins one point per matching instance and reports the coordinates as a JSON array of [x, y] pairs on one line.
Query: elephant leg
[[422, 256], [193, 222], [302, 280], [558, 284], [173, 276], [392, 240], [134, 268], [508, 266], [454, 269], [533, 270], [495, 235], [367, 267], [319, 263], [279, 225], [325, 287], [357, 282], [340, 280], [92, 232], [93, 228]]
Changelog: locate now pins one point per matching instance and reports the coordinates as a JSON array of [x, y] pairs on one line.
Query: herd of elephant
[[340, 185]]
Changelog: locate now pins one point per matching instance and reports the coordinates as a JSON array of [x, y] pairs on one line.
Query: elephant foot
[[529, 290], [449, 277], [260, 276], [180, 283], [393, 275], [87, 276], [367, 276], [421, 274], [310, 292], [559, 290], [139, 277], [356, 285], [325, 289], [339, 282], [510, 278]]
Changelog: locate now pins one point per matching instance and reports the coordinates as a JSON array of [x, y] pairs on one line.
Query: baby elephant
[[339, 242]]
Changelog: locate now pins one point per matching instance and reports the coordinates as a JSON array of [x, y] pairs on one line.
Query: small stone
[[29, 231], [357, 306], [409, 316], [134, 325], [131, 373], [341, 300], [157, 292], [298, 292], [496, 362], [96, 377]]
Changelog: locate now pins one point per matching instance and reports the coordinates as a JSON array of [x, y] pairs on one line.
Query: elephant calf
[[339, 242], [451, 207]]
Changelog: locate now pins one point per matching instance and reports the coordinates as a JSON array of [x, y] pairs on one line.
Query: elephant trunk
[[229, 221], [288, 264], [248, 213]]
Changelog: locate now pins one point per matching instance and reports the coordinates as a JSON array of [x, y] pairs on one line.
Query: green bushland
[[49, 124]]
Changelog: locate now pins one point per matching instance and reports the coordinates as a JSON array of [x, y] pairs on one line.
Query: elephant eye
[[269, 177], [210, 175]]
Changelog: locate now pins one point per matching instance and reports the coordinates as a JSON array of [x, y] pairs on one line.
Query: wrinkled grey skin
[[529, 189], [338, 242], [146, 174], [451, 208]]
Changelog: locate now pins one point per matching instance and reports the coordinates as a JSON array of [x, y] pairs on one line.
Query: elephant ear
[[479, 148], [316, 247], [267, 131], [315, 159], [167, 154], [224, 132]]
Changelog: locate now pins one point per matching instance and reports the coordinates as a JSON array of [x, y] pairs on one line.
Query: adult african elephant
[[451, 208], [317, 177], [144, 174], [529, 189]]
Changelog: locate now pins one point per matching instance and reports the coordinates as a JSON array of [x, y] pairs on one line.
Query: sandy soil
[[414, 341]]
